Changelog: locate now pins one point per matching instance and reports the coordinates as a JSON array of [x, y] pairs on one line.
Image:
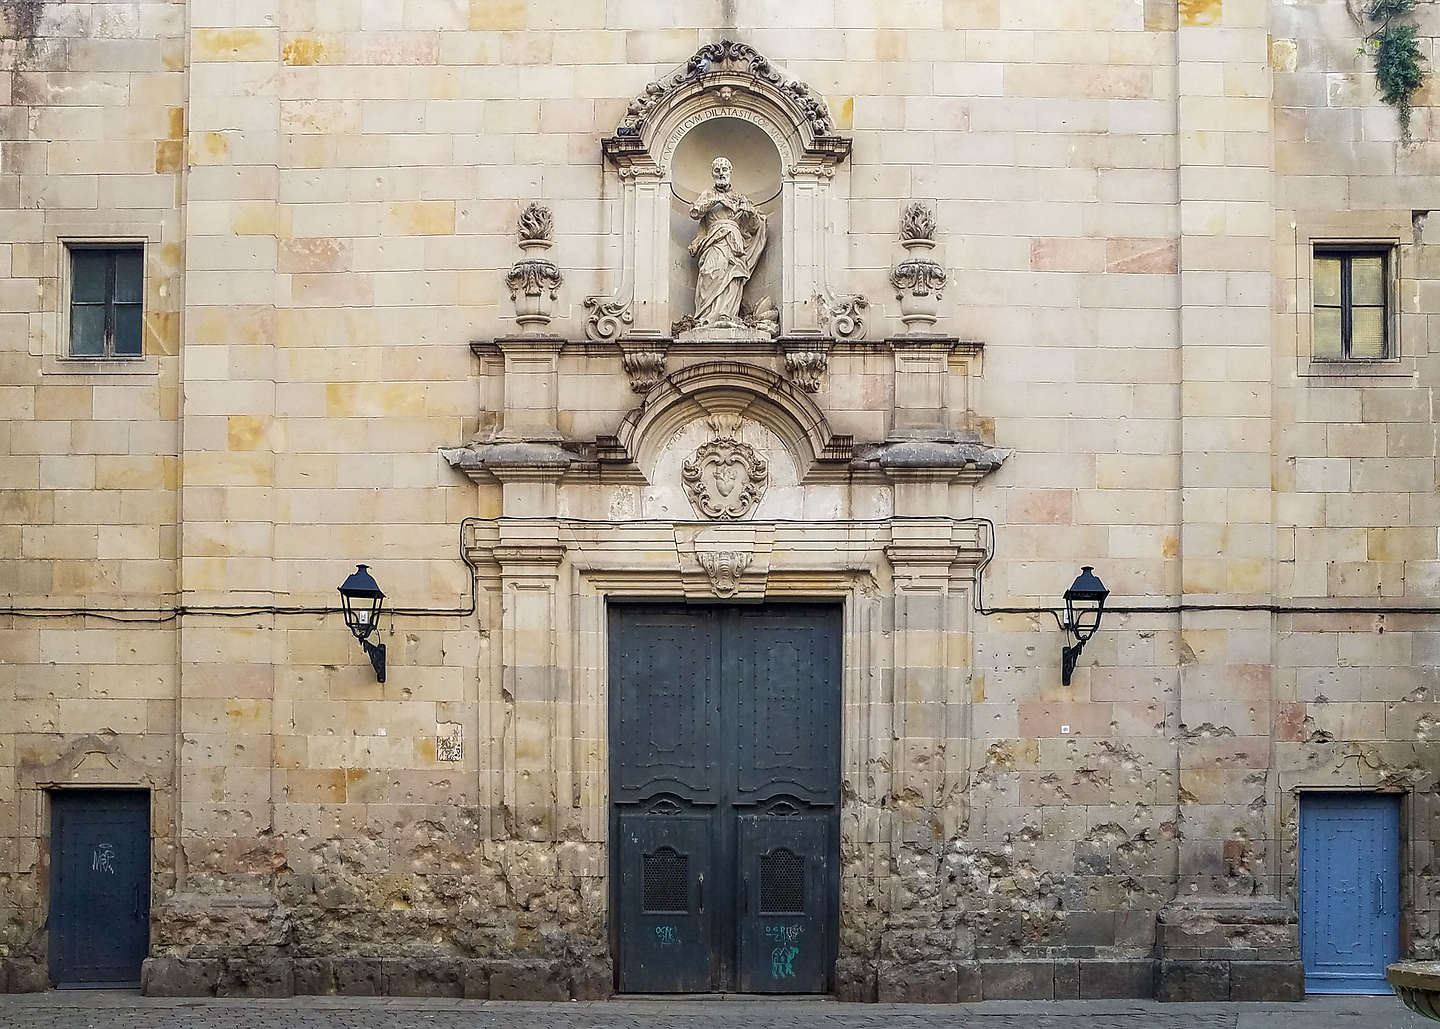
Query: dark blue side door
[[1349, 890], [99, 887]]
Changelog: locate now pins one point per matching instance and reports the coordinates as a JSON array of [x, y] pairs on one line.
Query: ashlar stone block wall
[[1126, 193], [92, 146]]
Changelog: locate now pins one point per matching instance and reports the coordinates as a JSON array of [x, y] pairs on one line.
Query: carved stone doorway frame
[[906, 587]]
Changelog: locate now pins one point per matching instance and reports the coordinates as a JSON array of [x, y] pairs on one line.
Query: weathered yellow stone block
[[232, 469], [497, 14], [233, 44], [301, 51], [246, 432], [1200, 12], [130, 472], [242, 325], [371, 400], [57, 403], [162, 332], [210, 148], [1248, 576], [314, 255], [260, 218], [420, 218]]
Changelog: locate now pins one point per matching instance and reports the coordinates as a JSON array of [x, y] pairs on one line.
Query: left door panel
[[99, 887], [665, 932]]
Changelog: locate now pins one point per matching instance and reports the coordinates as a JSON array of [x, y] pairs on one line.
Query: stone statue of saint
[[727, 247]]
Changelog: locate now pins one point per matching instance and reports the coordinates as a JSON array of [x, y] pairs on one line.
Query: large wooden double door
[[725, 790]]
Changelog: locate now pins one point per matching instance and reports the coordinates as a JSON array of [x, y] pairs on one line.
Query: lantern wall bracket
[[376, 653], [1069, 658], [363, 600]]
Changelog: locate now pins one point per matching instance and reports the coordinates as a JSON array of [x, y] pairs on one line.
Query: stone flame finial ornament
[[918, 279], [917, 222], [536, 223], [534, 280]]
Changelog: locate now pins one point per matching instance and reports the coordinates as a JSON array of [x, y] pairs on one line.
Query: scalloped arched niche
[[726, 96]]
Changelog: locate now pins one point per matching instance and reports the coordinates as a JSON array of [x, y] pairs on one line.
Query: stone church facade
[[723, 514]]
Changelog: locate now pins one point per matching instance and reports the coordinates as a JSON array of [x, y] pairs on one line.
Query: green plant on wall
[[1395, 42]]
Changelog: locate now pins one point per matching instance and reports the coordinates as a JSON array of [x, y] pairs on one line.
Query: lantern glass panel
[[1084, 603], [362, 599], [1086, 619]]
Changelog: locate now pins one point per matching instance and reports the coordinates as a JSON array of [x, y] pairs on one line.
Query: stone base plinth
[[856, 980], [509, 979], [724, 334], [1218, 980], [23, 975]]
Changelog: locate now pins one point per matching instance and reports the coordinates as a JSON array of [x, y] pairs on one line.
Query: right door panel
[[784, 917]]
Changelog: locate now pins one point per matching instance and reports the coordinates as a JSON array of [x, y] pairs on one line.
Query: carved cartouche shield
[[725, 478]]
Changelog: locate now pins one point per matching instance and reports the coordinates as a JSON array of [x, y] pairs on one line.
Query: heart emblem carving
[[725, 478]]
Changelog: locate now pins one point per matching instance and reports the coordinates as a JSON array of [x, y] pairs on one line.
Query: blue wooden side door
[[99, 887], [1349, 890]]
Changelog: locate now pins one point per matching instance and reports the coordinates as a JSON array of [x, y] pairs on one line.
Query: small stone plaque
[[450, 748]]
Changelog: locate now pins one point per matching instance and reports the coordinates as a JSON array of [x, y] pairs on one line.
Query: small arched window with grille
[[782, 883], [666, 887]]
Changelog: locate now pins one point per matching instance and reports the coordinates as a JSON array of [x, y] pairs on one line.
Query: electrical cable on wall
[[159, 615]]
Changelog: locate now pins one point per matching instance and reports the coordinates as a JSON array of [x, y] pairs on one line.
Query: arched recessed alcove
[[778, 132], [757, 173]]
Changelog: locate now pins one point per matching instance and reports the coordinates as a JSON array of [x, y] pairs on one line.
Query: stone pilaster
[[927, 718], [652, 253], [532, 372], [233, 432], [1226, 788], [533, 681]]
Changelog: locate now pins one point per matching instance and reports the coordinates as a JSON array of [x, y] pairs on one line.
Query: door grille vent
[[667, 883], [782, 883]]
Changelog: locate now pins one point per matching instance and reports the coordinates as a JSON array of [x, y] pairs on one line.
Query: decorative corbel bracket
[[644, 362], [807, 358], [510, 462], [726, 561]]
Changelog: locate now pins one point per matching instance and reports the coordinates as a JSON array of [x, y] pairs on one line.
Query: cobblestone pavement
[[128, 1011]]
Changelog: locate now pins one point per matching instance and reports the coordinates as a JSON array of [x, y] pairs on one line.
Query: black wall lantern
[[363, 599], [1084, 603]]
